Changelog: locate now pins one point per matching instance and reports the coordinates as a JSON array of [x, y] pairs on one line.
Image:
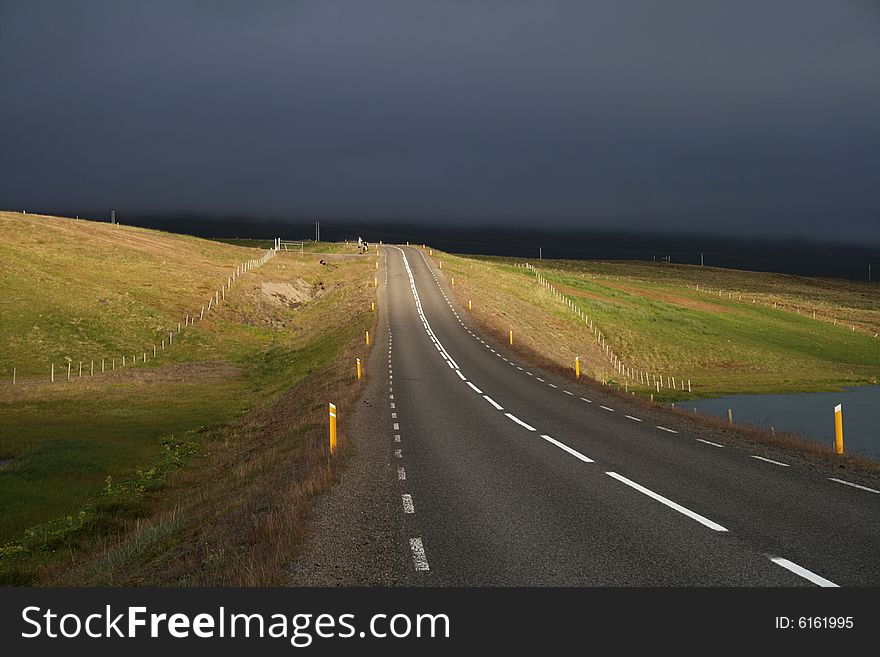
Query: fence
[[636, 375], [165, 342]]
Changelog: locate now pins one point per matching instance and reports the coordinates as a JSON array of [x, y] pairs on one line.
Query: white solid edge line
[[418, 552], [475, 388], [408, 507], [520, 422], [849, 483], [497, 406], [665, 429], [568, 449], [709, 442], [460, 375], [672, 505], [634, 419], [803, 572], [761, 458]]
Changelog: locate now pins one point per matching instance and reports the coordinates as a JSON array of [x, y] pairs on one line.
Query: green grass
[[656, 320], [62, 445], [82, 291]]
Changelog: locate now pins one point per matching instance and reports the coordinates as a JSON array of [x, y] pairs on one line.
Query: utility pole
[[869, 273], [701, 259], [317, 231], [112, 216], [540, 253]]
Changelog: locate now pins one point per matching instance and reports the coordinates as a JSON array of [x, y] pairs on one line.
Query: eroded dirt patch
[[288, 294]]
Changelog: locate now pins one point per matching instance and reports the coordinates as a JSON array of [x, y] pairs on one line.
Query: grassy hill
[[726, 331], [91, 461]]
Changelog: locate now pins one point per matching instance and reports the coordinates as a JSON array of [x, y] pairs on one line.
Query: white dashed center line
[[761, 458], [849, 483], [566, 448], [408, 507], [672, 505], [520, 422], [803, 572], [493, 402], [709, 442]]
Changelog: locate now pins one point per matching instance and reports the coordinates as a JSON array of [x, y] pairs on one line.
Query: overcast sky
[[748, 117]]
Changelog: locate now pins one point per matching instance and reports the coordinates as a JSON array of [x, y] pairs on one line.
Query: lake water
[[810, 414]]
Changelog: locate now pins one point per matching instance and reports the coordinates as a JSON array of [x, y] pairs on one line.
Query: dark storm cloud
[[739, 116]]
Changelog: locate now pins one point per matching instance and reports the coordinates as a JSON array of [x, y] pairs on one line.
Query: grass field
[[726, 331], [87, 464]]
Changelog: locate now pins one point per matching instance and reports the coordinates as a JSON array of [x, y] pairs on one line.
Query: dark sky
[[757, 118]]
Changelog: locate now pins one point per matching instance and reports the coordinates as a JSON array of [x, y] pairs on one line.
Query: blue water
[[810, 414]]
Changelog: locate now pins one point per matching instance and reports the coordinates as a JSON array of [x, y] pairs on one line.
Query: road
[[476, 469]]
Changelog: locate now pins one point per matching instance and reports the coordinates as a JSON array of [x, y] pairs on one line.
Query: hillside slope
[[90, 460], [722, 331]]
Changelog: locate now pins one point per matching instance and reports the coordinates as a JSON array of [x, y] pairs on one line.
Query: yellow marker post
[[377, 264], [511, 338], [360, 374], [375, 281], [430, 251], [453, 281], [577, 367], [440, 264], [838, 429], [372, 306], [368, 338], [332, 429], [470, 306]]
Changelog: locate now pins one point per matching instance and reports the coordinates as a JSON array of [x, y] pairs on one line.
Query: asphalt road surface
[[474, 468]]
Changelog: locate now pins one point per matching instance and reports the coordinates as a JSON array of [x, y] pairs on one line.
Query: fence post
[[332, 428], [838, 429]]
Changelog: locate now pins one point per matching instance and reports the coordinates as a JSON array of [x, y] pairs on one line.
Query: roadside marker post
[[511, 337], [359, 369], [730, 416], [838, 429], [453, 281], [375, 281], [470, 306], [372, 306], [577, 367], [332, 429], [367, 335]]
